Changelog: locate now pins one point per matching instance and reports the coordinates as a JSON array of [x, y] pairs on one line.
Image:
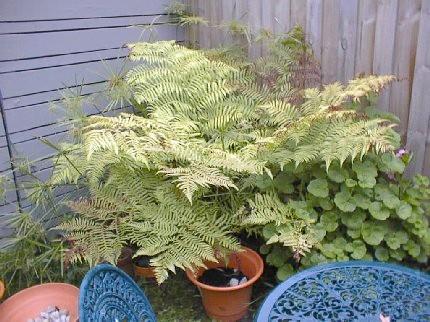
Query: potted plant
[[167, 182], [142, 268], [31, 302], [2, 289], [228, 303]]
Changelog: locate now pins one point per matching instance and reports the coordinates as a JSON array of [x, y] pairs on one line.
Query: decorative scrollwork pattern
[[359, 291], [108, 294]]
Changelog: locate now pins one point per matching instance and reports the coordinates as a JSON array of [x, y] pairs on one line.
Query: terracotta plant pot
[[143, 271], [230, 303], [125, 261], [2, 289], [28, 303]]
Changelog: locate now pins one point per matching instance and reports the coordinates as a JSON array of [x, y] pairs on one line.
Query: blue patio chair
[[350, 291], [107, 294]]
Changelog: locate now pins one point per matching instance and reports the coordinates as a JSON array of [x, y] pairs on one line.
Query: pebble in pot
[[221, 300], [52, 314]]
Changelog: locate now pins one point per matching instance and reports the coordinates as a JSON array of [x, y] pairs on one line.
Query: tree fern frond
[[189, 179]]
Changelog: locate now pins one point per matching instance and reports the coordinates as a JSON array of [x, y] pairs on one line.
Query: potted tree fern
[[174, 177]]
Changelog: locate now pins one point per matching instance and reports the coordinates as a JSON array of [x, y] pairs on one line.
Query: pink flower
[[401, 152]]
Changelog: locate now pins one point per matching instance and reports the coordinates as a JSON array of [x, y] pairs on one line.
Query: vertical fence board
[[404, 60], [384, 44], [215, 13], [227, 15], [204, 31], [254, 21], [267, 20], [314, 11], [330, 40], [282, 16], [298, 13], [419, 114], [365, 36], [348, 30], [192, 35]]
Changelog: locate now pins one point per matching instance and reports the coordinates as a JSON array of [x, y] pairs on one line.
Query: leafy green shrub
[[360, 210], [166, 178], [205, 125]]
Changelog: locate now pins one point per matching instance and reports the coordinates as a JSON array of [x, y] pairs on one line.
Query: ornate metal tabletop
[[107, 294], [350, 291]]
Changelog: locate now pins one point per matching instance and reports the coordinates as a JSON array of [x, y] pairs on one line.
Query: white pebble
[[234, 282], [64, 312], [54, 315], [50, 309], [243, 280], [44, 315]]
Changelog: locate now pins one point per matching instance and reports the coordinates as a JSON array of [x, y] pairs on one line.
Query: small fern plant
[[177, 177]]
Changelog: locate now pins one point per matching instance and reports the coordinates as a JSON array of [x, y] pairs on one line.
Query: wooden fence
[[46, 45], [349, 37]]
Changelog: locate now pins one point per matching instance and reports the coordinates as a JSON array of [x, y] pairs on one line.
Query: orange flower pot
[[143, 271], [147, 272], [2, 289], [229, 304], [28, 303], [125, 261]]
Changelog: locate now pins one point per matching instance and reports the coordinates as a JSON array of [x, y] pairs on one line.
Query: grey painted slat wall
[[8, 204], [47, 45], [29, 10], [4, 155]]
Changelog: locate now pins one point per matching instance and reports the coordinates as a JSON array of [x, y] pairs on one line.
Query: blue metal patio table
[[107, 294], [350, 291]]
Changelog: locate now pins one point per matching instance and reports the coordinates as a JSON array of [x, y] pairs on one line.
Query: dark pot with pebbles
[[53, 302], [226, 288], [142, 268]]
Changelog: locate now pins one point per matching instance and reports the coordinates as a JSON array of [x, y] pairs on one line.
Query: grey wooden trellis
[[46, 44]]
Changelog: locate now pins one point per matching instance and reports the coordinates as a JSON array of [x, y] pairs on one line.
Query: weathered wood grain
[[355, 37], [330, 40], [314, 16], [419, 113], [365, 38], [404, 60], [385, 33], [348, 30]]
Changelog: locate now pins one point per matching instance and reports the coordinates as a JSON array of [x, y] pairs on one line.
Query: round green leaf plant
[[362, 210]]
